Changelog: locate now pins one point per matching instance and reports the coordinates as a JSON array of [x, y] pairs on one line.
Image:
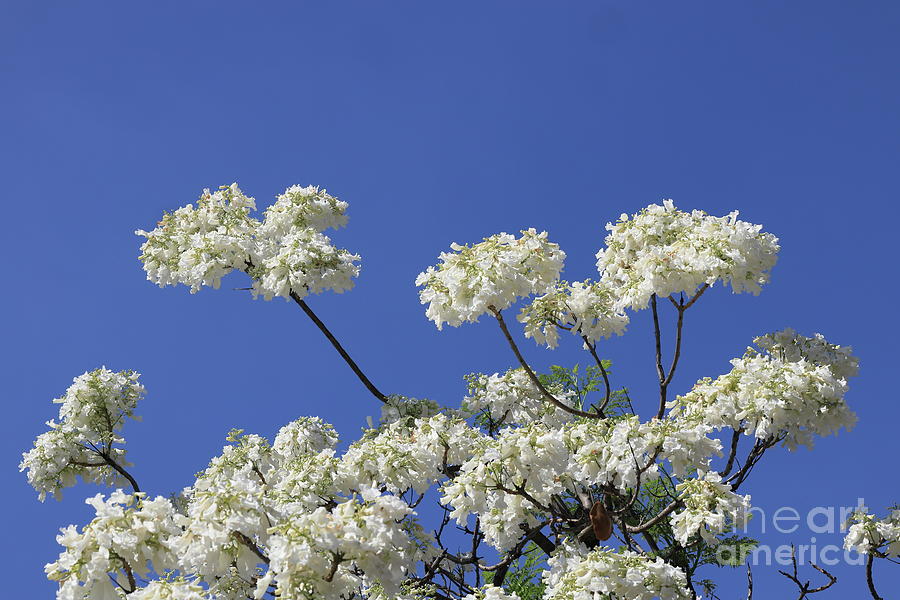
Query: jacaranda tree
[[549, 485]]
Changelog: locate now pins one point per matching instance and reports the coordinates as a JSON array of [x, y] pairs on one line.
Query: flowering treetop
[[548, 485]]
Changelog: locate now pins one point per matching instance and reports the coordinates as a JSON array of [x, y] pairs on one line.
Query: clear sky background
[[438, 123]]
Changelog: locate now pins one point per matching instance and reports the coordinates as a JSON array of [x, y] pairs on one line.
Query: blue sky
[[438, 123]]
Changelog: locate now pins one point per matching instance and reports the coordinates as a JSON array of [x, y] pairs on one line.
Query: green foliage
[[731, 551], [585, 382], [524, 576]]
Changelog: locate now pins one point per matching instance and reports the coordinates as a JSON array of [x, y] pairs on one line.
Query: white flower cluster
[[177, 589], [91, 414], [198, 247], [402, 407], [869, 535], [301, 207], [576, 574], [408, 453], [662, 250], [790, 346], [782, 395], [684, 443], [340, 542], [585, 308], [127, 533], [511, 398], [511, 479], [495, 272], [710, 508], [285, 254], [258, 499], [530, 460], [490, 592], [227, 502], [306, 435], [612, 452]]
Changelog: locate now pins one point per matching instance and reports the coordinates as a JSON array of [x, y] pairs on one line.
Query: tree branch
[[121, 470], [337, 346], [534, 378], [592, 348], [245, 540], [869, 579]]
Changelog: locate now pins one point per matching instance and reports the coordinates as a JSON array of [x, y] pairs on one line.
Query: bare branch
[[337, 346], [592, 348], [735, 438], [804, 588]]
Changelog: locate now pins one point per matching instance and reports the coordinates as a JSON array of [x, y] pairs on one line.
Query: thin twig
[[804, 588], [592, 348]]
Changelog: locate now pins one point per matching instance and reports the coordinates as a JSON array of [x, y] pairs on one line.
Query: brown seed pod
[[600, 522]]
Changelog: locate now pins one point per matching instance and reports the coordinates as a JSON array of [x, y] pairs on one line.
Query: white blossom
[[127, 533], [512, 398], [662, 250], [306, 435], [492, 273], [790, 346], [788, 398], [301, 262], [178, 589], [584, 308], [316, 555], [226, 506], [511, 480], [408, 453], [576, 574], [199, 246], [710, 508], [870, 535], [91, 415], [505, 477], [490, 592], [284, 254], [304, 207]]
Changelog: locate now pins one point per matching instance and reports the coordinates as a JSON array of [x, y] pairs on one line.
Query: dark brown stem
[[869, 579], [337, 346], [661, 375], [659, 517], [121, 470], [679, 328], [749, 583], [665, 377], [130, 574], [534, 378], [735, 438], [804, 588], [544, 543], [592, 348], [334, 566], [245, 540]]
